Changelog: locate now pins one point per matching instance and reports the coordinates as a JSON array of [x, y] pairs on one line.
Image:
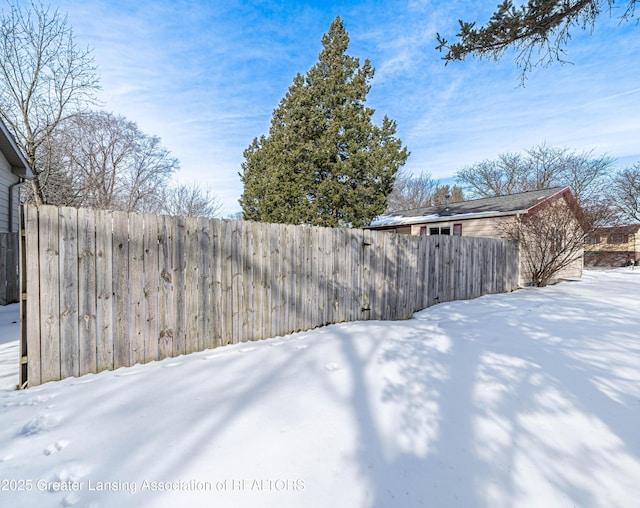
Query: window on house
[[618, 239], [592, 240], [457, 229], [444, 230], [557, 241]]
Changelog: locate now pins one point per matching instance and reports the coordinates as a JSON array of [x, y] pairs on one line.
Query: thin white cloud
[[206, 76]]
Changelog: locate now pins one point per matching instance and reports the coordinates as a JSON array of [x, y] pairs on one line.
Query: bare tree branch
[[419, 191], [542, 167], [624, 193], [44, 78], [551, 238], [114, 165], [191, 201]]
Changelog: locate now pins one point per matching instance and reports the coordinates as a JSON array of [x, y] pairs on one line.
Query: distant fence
[[9, 292], [111, 289]]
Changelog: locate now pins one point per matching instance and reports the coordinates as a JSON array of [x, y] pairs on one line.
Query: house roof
[[620, 230], [512, 204], [13, 154]]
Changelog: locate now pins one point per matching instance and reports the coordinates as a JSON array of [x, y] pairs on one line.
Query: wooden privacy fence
[[9, 290], [111, 289]]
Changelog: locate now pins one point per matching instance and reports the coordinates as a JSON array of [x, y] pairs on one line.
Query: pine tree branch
[[540, 29]]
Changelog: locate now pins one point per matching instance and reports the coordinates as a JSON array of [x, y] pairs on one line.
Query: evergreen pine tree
[[323, 162]]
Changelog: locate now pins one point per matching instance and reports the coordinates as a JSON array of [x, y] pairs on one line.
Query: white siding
[[6, 179]]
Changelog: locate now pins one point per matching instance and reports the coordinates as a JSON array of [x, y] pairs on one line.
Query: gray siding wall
[[7, 178]]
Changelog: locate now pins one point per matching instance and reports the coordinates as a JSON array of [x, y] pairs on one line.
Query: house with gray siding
[[14, 169]]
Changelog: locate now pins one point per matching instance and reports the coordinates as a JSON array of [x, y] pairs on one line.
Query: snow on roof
[[391, 220], [484, 207], [394, 220]]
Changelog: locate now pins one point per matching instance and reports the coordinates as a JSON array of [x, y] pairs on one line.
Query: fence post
[[23, 372]]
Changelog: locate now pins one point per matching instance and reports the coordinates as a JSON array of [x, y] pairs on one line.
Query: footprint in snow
[[33, 401], [70, 499], [73, 473], [332, 367], [56, 447], [39, 423], [300, 347]]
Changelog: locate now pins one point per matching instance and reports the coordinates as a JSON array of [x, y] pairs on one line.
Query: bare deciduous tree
[[44, 78], [587, 174], [191, 201], [446, 192], [410, 192], [624, 193], [500, 177], [54, 182], [542, 167], [113, 164], [551, 238]]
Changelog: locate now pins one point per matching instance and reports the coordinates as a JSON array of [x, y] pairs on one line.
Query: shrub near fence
[[110, 289]]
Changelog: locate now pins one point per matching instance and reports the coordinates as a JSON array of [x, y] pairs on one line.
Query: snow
[[525, 399], [393, 220], [9, 350]]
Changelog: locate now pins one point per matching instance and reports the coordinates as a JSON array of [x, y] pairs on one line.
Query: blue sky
[[205, 76]]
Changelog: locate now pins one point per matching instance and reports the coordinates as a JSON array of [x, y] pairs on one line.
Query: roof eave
[[19, 165], [551, 198], [446, 218]]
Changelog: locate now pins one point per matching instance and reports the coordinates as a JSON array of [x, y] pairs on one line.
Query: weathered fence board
[[179, 285], [87, 334], [121, 316], [68, 276], [30, 271], [166, 306], [9, 256], [192, 274], [152, 282], [136, 289], [49, 294], [215, 262], [104, 289], [111, 289], [204, 307], [12, 256], [3, 268]]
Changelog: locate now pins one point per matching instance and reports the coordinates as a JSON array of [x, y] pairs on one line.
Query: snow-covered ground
[[528, 399], [9, 346]]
